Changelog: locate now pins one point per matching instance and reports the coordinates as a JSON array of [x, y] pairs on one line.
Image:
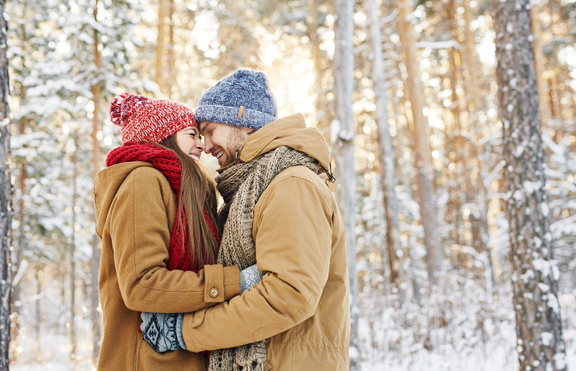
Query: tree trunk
[[21, 245], [5, 199], [423, 157], [534, 271], [171, 62], [320, 102], [469, 59], [387, 157], [539, 66], [72, 257], [160, 42], [38, 326], [555, 111], [455, 144], [95, 263], [343, 131], [476, 190]]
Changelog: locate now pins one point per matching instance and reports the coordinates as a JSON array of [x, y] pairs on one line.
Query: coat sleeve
[[292, 233], [140, 234]]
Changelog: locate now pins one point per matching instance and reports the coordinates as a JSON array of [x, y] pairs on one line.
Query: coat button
[[214, 292]]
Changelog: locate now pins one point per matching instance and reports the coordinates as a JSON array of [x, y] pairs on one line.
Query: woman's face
[[190, 142]]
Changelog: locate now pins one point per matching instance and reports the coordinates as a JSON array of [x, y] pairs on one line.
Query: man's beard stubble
[[233, 144]]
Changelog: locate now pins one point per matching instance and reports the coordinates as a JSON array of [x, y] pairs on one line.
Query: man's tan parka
[[302, 303], [135, 211]]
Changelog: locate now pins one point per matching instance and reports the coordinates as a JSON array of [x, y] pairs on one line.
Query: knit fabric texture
[[249, 277], [163, 331], [149, 120], [167, 163], [241, 186], [241, 99]]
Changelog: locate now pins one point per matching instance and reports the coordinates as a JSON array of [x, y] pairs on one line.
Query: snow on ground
[[54, 352], [497, 354]]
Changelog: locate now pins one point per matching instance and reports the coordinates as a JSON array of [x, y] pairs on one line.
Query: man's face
[[222, 141]]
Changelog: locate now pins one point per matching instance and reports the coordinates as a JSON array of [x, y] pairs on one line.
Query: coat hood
[[106, 185], [290, 131]]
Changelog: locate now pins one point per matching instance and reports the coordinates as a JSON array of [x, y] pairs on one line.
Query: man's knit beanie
[[149, 120], [241, 99]]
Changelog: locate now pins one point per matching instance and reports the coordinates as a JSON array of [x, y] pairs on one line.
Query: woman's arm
[[140, 236]]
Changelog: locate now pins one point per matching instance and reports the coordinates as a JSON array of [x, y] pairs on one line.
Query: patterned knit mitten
[[163, 331], [248, 277]]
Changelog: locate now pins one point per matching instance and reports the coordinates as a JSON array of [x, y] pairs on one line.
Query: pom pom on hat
[[146, 120], [120, 106]]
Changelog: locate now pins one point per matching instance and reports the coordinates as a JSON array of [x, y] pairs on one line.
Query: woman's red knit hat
[[145, 120]]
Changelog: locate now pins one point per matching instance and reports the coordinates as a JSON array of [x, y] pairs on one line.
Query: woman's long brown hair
[[197, 191]]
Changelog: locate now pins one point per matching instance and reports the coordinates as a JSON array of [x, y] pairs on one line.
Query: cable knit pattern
[[241, 186], [145, 120], [168, 164]]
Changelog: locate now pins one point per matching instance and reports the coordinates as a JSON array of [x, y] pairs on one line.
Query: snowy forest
[[452, 130]]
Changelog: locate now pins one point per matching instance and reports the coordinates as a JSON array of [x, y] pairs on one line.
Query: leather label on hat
[[240, 112]]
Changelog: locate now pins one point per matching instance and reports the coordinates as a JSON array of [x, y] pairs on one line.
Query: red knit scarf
[[167, 163]]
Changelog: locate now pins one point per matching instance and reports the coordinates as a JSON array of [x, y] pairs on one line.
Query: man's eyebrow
[[203, 127]]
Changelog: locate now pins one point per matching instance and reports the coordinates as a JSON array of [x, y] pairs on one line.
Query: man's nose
[[207, 145]]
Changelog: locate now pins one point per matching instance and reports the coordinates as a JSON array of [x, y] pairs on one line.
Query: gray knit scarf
[[241, 186]]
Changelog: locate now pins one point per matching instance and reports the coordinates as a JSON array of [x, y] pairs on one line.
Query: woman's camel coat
[[135, 211]]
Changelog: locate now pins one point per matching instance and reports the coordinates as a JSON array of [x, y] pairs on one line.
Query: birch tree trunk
[[387, 157], [95, 263], [343, 132], [5, 199], [424, 166], [534, 271]]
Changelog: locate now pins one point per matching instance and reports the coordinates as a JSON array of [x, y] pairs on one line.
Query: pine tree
[[423, 157], [386, 151], [535, 271], [5, 198], [343, 140]]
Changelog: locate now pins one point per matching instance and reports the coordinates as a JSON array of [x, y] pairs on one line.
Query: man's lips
[[218, 154]]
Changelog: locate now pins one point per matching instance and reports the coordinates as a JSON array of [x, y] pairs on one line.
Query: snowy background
[[61, 88]]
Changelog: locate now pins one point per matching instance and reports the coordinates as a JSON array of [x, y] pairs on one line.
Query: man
[[277, 213]]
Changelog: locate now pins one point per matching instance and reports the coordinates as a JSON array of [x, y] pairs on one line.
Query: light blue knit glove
[[163, 331], [248, 277]]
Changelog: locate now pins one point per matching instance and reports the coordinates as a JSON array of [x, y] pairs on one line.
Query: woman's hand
[[248, 277], [163, 331]]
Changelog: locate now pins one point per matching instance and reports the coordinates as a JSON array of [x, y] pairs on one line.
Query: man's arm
[[292, 233]]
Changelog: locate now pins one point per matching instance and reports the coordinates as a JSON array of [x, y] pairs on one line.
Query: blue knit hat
[[241, 99]]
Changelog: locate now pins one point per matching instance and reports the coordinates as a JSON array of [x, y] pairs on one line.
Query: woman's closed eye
[[195, 134]]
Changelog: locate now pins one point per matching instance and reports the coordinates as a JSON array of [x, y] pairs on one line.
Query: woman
[[155, 211]]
